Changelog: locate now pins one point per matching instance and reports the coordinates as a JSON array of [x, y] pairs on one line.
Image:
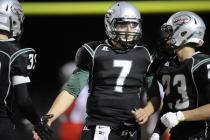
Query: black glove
[[43, 129]]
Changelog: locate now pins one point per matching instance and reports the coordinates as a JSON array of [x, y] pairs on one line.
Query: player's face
[[126, 30]]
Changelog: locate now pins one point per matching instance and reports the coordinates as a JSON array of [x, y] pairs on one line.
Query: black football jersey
[[15, 67], [187, 86], [115, 81]]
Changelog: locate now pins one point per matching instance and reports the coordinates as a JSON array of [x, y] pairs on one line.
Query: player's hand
[[42, 130], [170, 119], [140, 115], [35, 136], [155, 136]]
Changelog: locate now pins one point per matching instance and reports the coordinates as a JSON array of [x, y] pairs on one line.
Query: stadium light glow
[[100, 7]]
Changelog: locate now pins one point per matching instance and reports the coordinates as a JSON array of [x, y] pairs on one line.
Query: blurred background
[[57, 29]]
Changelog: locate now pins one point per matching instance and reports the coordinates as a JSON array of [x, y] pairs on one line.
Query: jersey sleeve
[[83, 59], [152, 86], [202, 79], [76, 82], [22, 64]]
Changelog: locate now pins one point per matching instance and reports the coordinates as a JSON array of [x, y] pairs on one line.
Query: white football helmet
[[11, 18], [182, 28], [123, 12]]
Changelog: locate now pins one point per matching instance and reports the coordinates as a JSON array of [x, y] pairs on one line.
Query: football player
[[15, 67], [186, 80], [115, 70]]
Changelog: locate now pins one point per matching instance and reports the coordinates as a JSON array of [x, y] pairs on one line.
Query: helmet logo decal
[[180, 20]]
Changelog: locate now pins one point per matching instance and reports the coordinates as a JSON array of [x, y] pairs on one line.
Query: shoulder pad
[[200, 57], [199, 60], [8, 48], [22, 52], [94, 44]]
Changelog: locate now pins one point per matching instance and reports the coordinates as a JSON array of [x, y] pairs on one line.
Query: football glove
[[43, 129], [170, 119], [155, 136]]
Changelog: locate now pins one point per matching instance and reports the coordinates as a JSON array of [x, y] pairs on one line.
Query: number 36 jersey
[[115, 81], [15, 67]]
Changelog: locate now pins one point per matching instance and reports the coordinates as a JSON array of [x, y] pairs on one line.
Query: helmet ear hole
[[183, 33], [14, 23], [195, 21]]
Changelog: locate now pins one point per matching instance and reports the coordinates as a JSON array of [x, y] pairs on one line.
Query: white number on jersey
[[181, 89], [126, 67], [208, 68], [32, 59]]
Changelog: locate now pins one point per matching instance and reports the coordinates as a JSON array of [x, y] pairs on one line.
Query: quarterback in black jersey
[[115, 70], [15, 67], [185, 79]]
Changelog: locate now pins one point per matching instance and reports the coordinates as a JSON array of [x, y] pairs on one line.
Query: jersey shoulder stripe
[[5, 53], [20, 52], [8, 48], [91, 47], [200, 63], [198, 60]]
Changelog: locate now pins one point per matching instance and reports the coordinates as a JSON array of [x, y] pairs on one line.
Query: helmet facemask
[[167, 39], [127, 32]]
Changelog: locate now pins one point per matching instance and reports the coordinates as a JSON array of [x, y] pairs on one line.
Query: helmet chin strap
[[119, 47], [125, 44]]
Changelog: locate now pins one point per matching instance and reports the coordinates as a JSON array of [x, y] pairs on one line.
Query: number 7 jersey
[[115, 81]]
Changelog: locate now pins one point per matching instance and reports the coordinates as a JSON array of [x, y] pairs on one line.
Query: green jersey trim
[[76, 82]]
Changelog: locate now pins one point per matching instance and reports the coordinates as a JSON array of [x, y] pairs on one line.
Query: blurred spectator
[[71, 122]]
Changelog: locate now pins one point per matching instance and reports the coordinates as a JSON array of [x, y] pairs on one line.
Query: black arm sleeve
[[202, 79], [160, 127], [25, 104], [153, 91]]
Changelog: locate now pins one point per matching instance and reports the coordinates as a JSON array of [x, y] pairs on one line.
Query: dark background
[[57, 38]]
